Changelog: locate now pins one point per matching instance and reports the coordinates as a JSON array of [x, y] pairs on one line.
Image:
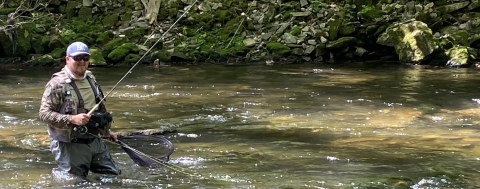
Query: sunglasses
[[81, 57]]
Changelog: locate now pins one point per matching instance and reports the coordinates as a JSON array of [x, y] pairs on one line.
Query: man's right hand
[[80, 119]]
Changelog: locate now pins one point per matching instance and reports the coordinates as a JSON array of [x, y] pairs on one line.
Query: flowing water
[[310, 126]]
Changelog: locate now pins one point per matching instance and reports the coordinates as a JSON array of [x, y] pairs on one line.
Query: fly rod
[[130, 71]]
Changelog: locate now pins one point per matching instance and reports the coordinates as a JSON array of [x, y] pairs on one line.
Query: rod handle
[[93, 109]]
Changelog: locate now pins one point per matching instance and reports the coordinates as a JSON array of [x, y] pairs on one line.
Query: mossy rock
[[459, 55], [111, 45], [341, 43], [96, 58], [413, 40], [71, 8], [58, 53], [119, 53], [223, 15], [44, 60], [278, 48], [110, 21], [321, 50], [458, 36], [250, 25], [22, 44], [127, 16], [230, 28], [369, 12], [136, 34], [85, 13], [161, 55], [40, 47], [132, 58], [296, 31], [104, 37], [347, 29]]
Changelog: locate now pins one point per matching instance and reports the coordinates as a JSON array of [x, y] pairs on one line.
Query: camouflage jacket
[[59, 126]]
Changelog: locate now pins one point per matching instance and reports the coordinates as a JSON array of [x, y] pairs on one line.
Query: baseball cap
[[77, 48]]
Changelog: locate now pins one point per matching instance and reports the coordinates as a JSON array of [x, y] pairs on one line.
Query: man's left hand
[[113, 136]]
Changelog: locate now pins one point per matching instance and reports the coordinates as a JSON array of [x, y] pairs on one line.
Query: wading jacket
[[52, 102]]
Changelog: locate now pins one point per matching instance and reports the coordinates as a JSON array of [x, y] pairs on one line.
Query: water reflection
[[268, 127]]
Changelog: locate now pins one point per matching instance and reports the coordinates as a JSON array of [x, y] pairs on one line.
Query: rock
[[283, 27], [309, 49], [334, 24], [249, 42], [359, 51], [266, 36], [303, 3], [453, 7], [96, 58], [323, 40], [87, 3], [458, 56], [289, 38], [204, 6], [312, 42], [301, 14], [460, 36], [278, 48], [341, 42], [119, 53], [413, 40], [44, 60], [297, 51], [475, 4]]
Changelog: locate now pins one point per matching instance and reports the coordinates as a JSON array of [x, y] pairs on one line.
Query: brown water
[[269, 126]]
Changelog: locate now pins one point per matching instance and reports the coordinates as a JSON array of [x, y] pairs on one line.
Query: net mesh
[[147, 151]]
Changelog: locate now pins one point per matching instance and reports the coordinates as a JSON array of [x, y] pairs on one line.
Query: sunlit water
[[268, 126]]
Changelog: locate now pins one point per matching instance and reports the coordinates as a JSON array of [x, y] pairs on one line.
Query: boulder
[[459, 36], [412, 40], [96, 58]]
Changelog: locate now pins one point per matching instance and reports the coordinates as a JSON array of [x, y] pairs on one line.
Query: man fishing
[[75, 135]]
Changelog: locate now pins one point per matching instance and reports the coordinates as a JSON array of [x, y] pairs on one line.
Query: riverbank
[[438, 33]]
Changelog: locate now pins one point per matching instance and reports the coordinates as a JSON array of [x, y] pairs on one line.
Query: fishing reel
[[82, 130]]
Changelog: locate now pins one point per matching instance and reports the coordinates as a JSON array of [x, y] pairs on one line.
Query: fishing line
[[130, 71]]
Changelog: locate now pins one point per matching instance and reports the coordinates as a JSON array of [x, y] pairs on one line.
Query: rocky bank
[[440, 33]]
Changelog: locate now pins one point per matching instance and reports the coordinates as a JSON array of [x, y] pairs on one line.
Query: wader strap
[[95, 90], [81, 104]]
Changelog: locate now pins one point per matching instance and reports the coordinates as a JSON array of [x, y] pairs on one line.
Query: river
[[280, 126]]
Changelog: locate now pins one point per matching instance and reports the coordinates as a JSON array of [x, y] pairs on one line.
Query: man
[[74, 134]]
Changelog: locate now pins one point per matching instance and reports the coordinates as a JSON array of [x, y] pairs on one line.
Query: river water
[[296, 126]]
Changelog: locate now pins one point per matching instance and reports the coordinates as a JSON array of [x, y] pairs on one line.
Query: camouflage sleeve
[[51, 103]]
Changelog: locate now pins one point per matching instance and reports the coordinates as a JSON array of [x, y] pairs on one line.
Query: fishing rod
[[130, 71], [122, 144]]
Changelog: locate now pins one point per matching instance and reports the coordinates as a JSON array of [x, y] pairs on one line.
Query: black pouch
[[100, 120]]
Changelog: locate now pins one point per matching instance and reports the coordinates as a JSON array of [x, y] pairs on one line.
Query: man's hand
[[113, 136], [80, 119]]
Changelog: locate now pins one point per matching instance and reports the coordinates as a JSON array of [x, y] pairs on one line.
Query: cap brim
[[78, 53]]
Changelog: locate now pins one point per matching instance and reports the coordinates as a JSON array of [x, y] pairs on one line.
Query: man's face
[[78, 64]]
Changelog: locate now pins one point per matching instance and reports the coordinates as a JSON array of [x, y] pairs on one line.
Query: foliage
[[316, 5], [369, 12]]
